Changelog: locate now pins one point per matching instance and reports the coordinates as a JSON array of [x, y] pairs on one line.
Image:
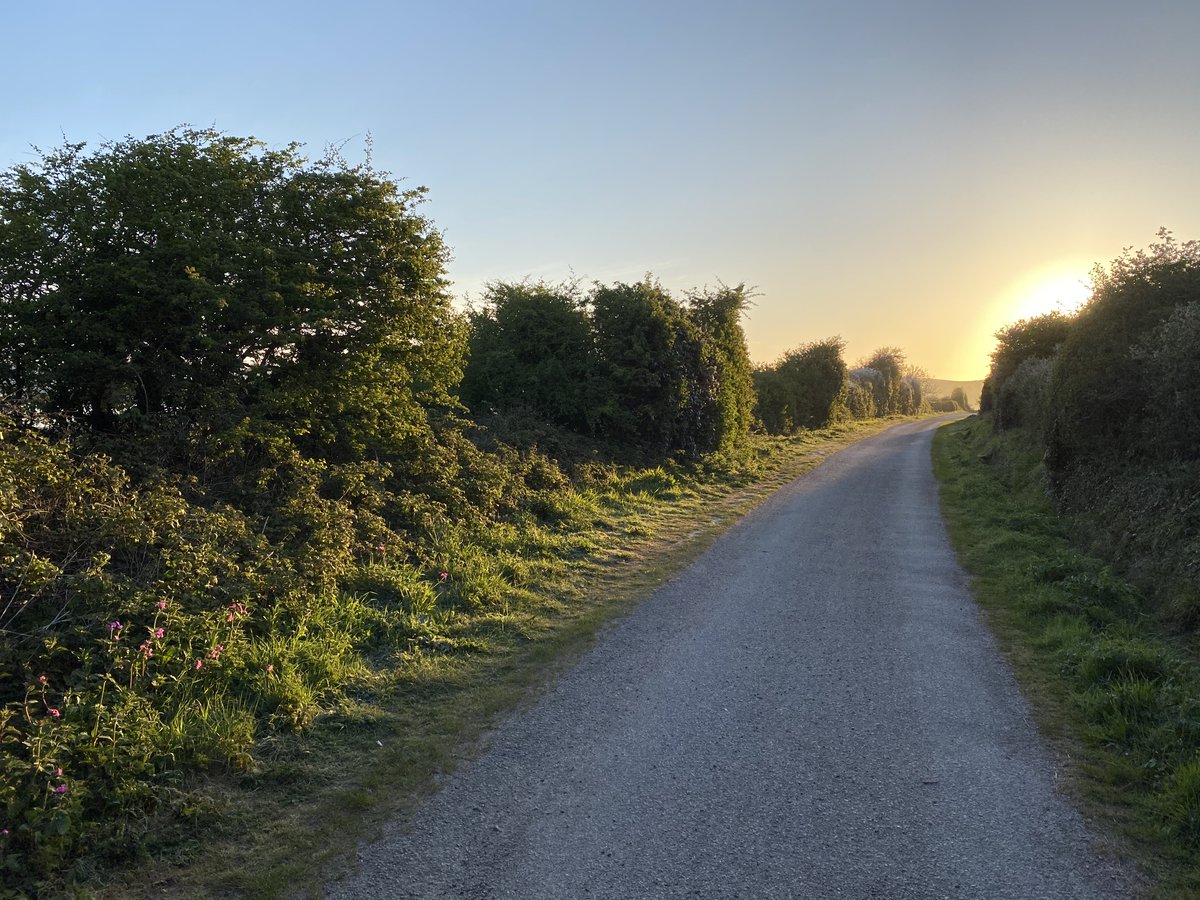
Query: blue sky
[[904, 173]]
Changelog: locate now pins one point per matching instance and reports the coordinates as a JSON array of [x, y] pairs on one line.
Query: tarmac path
[[814, 708]]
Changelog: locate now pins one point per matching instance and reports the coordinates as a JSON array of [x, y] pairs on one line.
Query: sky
[[914, 174]]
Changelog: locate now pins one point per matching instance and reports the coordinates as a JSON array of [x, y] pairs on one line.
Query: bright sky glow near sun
[[915, 174]]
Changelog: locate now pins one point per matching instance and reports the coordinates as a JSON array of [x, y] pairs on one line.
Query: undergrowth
[[1090, 649], [217, 717]]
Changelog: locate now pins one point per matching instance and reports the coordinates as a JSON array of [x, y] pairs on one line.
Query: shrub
[[531, 348], [807, 388]]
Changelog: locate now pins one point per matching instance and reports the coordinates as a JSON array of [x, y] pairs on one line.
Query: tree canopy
[[191, 275]]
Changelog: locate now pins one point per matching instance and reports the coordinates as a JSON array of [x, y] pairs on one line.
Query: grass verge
[[1111, 688], [295, 817]]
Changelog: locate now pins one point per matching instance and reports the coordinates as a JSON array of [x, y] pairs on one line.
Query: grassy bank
[[297, 813], [1112, 688]]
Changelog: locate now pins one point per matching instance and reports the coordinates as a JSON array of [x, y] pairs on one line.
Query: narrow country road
[[812, 709]]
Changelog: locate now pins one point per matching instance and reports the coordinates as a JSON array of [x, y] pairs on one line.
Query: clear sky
[[912, 173]]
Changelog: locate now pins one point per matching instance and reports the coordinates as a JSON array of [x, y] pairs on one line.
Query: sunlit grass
[[451, 653], [1117, 697]]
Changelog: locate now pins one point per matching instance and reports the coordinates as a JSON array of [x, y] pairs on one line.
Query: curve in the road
[[812, 709]]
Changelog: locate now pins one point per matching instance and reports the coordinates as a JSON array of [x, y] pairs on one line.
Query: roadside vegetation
[[280, 529], [1073, 502]]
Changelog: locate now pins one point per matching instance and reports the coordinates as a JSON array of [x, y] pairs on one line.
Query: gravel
[[814, 708]]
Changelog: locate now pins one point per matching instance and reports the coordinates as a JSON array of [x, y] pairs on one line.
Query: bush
[[807, 388], [1104, 397], [1025, 397], [531, 349], [657, 375]]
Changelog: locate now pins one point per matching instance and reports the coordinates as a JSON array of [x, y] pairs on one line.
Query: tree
[[194, 278], [807, 388], [718, 314], [1127, 348], [889, 363], [1038, 337], [657, 375], [959, 398], [531, 348]]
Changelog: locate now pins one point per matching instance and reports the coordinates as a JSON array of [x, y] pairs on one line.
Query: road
[[814, 708]]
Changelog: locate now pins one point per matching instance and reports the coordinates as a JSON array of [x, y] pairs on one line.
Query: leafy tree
[[187, 278], [718, 315], [890, 364], [959, 398], [1107, 380], [1038, 337], [657, 375], [807, 388], [531, 348]]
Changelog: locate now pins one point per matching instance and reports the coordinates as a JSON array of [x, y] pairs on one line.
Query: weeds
[[1087, 648]]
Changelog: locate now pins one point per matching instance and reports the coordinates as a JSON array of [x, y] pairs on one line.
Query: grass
[[529, 598], [1113, 689]]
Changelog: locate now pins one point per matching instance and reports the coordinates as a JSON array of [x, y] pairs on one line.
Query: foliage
[[718, 315], [1024, 396], [889, 362], [1099, 667], [168, 284], [531, 348], [1038, 337], [1103, 396], [807, 388], [657, 383]]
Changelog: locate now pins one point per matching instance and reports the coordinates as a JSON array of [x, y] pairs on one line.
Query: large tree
[[190, 276]]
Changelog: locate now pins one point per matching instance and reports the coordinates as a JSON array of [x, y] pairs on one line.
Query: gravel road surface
[[813, 709]]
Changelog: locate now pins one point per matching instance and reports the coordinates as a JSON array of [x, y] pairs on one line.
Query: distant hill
[[940, 387]]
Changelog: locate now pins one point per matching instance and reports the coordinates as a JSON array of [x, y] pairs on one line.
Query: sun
[[1044, 293]]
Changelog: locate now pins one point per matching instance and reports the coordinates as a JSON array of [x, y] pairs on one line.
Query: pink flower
[[61, 789], [381, 547], [3, 832], [161, 604], [442, 576], [114, 626], [58, 772], [147, 649], [199, 663], [54, 712], [216, 651], [42, 679], [270, 669], [158, 633]]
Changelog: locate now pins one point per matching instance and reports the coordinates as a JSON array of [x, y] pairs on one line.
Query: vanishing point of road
[[814, 708]]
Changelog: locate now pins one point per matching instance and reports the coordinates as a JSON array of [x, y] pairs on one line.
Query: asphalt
[[814, 708]]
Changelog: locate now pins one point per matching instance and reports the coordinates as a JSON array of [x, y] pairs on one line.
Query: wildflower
[[158, 633], [216, 651], [442, 576], [147, 649], [42, 679], [270, 669], [381, 547], [3, 832], [61, 789], [58, 771], [54, 712], [114, 626], [161, 604], [199, 663]]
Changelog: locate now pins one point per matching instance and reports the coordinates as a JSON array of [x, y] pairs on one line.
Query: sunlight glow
[[1045, 293]]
